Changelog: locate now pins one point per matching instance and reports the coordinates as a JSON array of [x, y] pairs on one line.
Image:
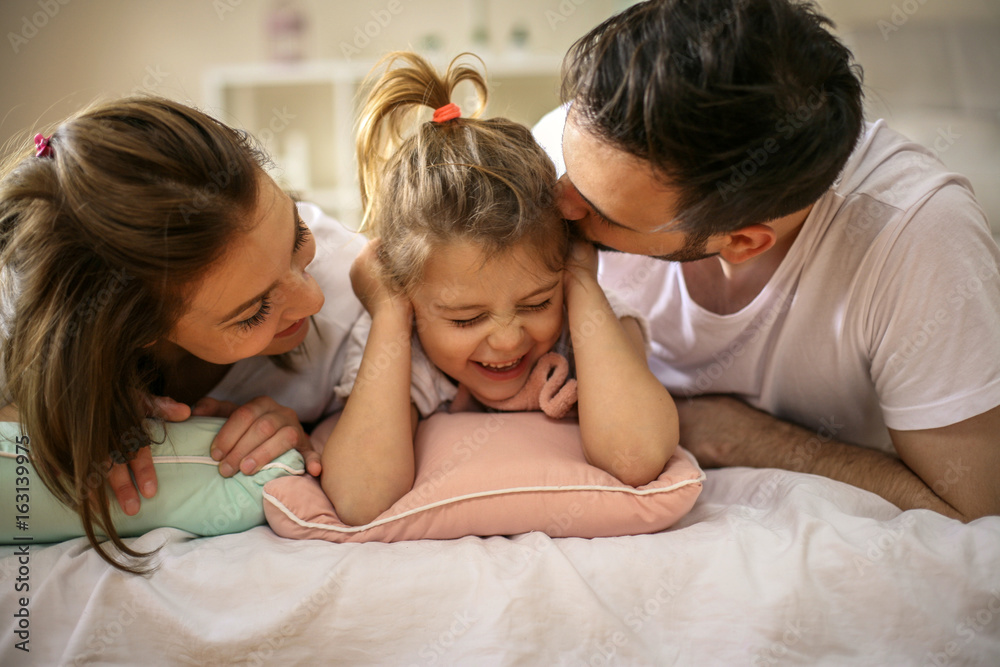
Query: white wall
[[931, 65]]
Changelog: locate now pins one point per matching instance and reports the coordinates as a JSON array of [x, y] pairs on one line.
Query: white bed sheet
[[770, 568]]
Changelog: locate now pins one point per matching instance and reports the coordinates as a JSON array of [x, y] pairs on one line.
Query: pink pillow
[[496, 474]]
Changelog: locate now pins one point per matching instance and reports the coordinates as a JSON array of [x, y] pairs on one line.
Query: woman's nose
[[571, 204], [305, 298]]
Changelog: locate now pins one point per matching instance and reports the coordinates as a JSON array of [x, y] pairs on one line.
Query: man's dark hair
[[748, 109]]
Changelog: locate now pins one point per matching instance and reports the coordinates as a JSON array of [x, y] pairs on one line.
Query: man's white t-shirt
[[884, 313], [319, 362]]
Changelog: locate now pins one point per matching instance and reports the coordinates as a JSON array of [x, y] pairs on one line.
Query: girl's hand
[[141, 467], [581, 269], [583, 258], [368, 285], [255, 434]]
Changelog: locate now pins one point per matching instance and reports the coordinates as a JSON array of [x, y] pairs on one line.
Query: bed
[[768, 568]]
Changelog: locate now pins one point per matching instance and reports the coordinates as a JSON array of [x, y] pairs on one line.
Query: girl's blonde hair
[[483, 181], [100, 244]]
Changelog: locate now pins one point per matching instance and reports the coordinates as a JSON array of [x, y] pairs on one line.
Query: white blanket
[[770, 568]]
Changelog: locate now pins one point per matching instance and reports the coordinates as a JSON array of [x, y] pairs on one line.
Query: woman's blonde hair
[[483, 181], [100, 244]]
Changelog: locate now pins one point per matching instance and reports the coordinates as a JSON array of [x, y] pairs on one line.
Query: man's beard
[[693, 250]]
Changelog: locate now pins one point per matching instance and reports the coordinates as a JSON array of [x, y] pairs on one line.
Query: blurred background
[[288, 70]]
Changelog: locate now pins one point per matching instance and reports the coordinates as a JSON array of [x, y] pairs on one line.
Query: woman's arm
[[628, 420], [368, 460]]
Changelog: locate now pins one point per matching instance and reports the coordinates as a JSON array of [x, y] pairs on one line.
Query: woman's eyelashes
[[478, 318], [257, 318], [301, 234]]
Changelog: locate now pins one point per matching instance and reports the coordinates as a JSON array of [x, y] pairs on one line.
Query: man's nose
[[571, 204]]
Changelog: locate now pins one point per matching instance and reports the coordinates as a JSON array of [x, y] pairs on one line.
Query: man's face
[[617, 203]]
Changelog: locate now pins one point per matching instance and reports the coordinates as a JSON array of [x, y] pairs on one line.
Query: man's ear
[[746, 243]]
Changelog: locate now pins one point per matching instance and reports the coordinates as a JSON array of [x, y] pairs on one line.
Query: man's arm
[[952, 470]]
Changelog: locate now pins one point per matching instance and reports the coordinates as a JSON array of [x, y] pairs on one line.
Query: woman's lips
[[290, 330]]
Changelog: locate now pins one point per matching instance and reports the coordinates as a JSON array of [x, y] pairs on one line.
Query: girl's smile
[[485, 323]]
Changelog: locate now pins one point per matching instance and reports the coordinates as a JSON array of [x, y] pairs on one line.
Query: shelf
[[304, 113]]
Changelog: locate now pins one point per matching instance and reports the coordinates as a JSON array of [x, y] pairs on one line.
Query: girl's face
[[256, 300], [486, 324]]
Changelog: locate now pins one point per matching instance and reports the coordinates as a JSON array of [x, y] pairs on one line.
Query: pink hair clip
[[448, 112], [42, 147]]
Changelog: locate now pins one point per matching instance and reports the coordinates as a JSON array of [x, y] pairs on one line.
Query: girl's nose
[[506, 336]]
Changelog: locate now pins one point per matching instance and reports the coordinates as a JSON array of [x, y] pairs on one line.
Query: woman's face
[[256, 300], [486, 324]]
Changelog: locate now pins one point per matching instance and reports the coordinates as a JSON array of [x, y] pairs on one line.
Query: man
[[830, 299]]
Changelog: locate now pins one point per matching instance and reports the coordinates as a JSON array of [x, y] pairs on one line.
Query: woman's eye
[[301, 234], [257, 318]]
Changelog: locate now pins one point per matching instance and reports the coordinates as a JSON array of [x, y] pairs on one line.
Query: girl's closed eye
[[469, 322], [257, 318], [530, 308], [539, 306]]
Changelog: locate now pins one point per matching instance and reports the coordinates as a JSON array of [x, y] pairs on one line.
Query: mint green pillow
[[191, 494]]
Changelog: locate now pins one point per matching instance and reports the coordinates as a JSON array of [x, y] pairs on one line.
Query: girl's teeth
[[500, 367]]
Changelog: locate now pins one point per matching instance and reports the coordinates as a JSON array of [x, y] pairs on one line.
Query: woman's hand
[[255, 434], [141, 466]]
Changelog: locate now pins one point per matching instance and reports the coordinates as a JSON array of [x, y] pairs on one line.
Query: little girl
[[470, 279]]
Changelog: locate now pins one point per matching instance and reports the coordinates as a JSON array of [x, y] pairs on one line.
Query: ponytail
[[425, 184]]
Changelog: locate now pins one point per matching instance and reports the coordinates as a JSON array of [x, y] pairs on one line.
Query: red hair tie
[[448, 112], [42, 147]]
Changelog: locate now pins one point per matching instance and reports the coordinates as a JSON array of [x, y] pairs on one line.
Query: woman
[[148, 263]]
